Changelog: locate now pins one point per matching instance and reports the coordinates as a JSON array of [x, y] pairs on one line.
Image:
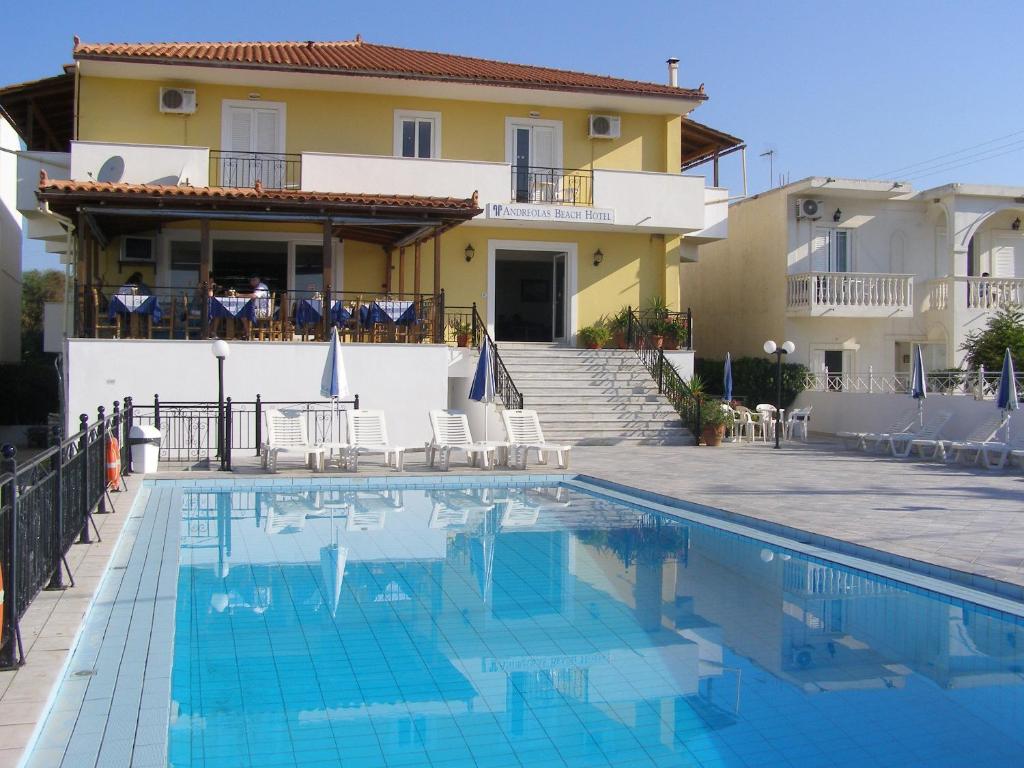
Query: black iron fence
[[273, 170], [643, 341], [464, 327], [190, 432], [556, 186], [46, 504]]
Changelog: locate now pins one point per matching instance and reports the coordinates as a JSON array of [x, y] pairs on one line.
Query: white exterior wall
[[404, 380], [10, 247], [140, 163]]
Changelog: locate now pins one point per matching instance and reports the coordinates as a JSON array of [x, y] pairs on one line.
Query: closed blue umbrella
[[334, 382], [919, 384], [1008, 399], [484, 387], [727, 383]]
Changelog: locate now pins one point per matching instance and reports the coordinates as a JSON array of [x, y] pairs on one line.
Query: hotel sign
[[569, 214]]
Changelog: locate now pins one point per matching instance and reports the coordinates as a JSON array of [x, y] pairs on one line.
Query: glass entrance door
[[558, 304]]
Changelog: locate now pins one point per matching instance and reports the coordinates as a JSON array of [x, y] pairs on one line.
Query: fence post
[[689, 328], [225, 451], [473, 321], [83, 449], [439, 325], [10, 560], [259, 423], [661, 370], [129, 417], [156, 411], [101, 421], [980, 393], [356, 398], [629, 327], [871, 379], [57, 467]]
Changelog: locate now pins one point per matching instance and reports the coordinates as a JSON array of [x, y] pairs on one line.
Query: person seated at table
[[261, 293], [134, 285]]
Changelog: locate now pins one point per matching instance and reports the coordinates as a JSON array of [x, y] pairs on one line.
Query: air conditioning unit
[[605, 126], [810, 209], [178, 101]]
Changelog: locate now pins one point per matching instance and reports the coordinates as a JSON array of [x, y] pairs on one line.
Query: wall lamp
[[837, 215], [1016, 224], [598, 257], [470, 252]]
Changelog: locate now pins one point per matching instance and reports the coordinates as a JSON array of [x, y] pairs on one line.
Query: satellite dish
[[111, 171]]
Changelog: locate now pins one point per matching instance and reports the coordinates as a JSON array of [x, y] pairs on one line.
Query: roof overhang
[[388, 221], [976, 190], [828, 186], [292, 78], [701, 143], [42, 112]]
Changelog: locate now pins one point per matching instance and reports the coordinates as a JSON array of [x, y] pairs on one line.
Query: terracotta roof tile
[[355, 57], [245, 194]]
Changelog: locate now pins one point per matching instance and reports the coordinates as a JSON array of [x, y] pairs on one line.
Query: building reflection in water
[[524, 614]]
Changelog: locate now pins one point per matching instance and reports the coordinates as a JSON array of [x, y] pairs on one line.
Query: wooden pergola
[[102, 211], [42, 112], [700, 144]]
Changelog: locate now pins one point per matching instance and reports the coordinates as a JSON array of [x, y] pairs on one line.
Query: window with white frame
[[417, 134], [832, 250]]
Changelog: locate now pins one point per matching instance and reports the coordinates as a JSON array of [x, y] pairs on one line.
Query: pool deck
[[962, 518]]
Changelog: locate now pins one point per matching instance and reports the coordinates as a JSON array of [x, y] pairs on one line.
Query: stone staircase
[[593, 396]]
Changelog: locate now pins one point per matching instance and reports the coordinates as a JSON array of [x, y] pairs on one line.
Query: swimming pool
[[534, 622]]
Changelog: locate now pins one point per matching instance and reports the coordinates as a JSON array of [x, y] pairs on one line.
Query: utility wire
[[929, 161], [969, 160]]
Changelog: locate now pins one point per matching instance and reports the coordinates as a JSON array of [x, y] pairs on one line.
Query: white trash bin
[[145, 443]]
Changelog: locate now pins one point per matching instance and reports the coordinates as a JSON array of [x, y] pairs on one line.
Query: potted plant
[[676, 332], [713, 420], [594, 336], [618, 324], [656, 319], [462, 331]]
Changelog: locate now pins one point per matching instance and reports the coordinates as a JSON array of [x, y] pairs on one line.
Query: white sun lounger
[[451, 434], [368, 434], [927, 437], [904, 422], [525, 435], [995, 454], [969, 450], [286, 434]]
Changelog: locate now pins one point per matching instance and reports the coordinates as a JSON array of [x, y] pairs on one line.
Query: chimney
[[673, 72]]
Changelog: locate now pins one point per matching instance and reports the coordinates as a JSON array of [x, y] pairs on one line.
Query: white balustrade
[[850, 294]]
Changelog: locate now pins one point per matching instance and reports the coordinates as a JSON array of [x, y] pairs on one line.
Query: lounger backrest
[[450, 428], [367, 428], [523, 427], [934, 426], [905, 422], [986, 430], [286, 428]]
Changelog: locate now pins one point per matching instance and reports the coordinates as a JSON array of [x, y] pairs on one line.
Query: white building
[[10, 247], [855, 272]]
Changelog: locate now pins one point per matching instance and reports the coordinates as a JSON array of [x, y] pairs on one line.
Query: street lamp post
[[220, 350], [771, 348]]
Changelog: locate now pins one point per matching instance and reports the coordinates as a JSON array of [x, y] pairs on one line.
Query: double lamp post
[[771, 348]]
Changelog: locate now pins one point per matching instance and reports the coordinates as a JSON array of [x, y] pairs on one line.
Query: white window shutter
[[1003, 261], [819, 251], [241, 130], [267, 139], [543, 147]]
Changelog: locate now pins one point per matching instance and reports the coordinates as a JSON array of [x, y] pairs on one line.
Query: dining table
[[396, 311], [137, 309]]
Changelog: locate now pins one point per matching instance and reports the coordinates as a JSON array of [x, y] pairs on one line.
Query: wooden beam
[[328, 258], [51, 137], [389, 268], [82, 286], [437, 263], [416, 269], [401, 270], [205, 282]]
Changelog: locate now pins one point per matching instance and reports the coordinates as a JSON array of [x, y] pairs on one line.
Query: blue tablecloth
[[310, 312], [128, 304], [232, 306], [391, 311]]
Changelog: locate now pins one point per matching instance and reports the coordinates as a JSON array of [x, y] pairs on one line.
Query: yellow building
[[547, 198]]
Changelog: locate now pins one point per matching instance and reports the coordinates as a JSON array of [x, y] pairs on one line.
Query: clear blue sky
[[840, 88]]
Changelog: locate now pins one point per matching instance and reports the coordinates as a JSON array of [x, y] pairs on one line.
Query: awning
[[42, 112]]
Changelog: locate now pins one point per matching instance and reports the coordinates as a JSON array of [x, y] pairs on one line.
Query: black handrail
[[687, 403], [465, 327], [558, 186]]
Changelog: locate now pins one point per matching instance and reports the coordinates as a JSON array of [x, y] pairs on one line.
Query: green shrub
[[1004, 330], [595, 335], [753, 379]]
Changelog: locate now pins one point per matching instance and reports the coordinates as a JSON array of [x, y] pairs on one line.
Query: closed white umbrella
[[334, 382], [484, 387]]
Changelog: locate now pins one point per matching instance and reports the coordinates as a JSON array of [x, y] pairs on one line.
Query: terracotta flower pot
[[671, 342], [462, 339], [713, 436], [619, 339], [657, 340]]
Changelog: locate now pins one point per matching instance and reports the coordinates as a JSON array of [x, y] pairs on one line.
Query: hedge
[[753, 379]]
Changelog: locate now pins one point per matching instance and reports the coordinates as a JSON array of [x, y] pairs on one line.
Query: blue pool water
[[548, 626]]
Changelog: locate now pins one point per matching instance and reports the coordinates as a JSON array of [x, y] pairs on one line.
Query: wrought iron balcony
[[243, 169], [553, 186]]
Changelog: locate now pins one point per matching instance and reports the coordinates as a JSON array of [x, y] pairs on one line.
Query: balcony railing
[[977, 293], [244, 169], [850, 294], [555, 186], [979, 384]]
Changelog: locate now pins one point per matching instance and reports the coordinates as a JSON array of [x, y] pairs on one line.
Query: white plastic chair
[[525, 435], [797, 421], [286, 433], [368, 434], [451, 433], [766, 420]]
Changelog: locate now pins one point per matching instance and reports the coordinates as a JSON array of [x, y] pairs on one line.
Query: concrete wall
[[404, 380], [10, 248], [848, 412], [53, 326]]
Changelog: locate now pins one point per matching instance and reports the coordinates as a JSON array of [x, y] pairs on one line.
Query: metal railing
[[979, 384], [640, 339], [558, 186], [464, 327], [46, 504], [849, 290], [113, 311], [273, 170], [190, 433]]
